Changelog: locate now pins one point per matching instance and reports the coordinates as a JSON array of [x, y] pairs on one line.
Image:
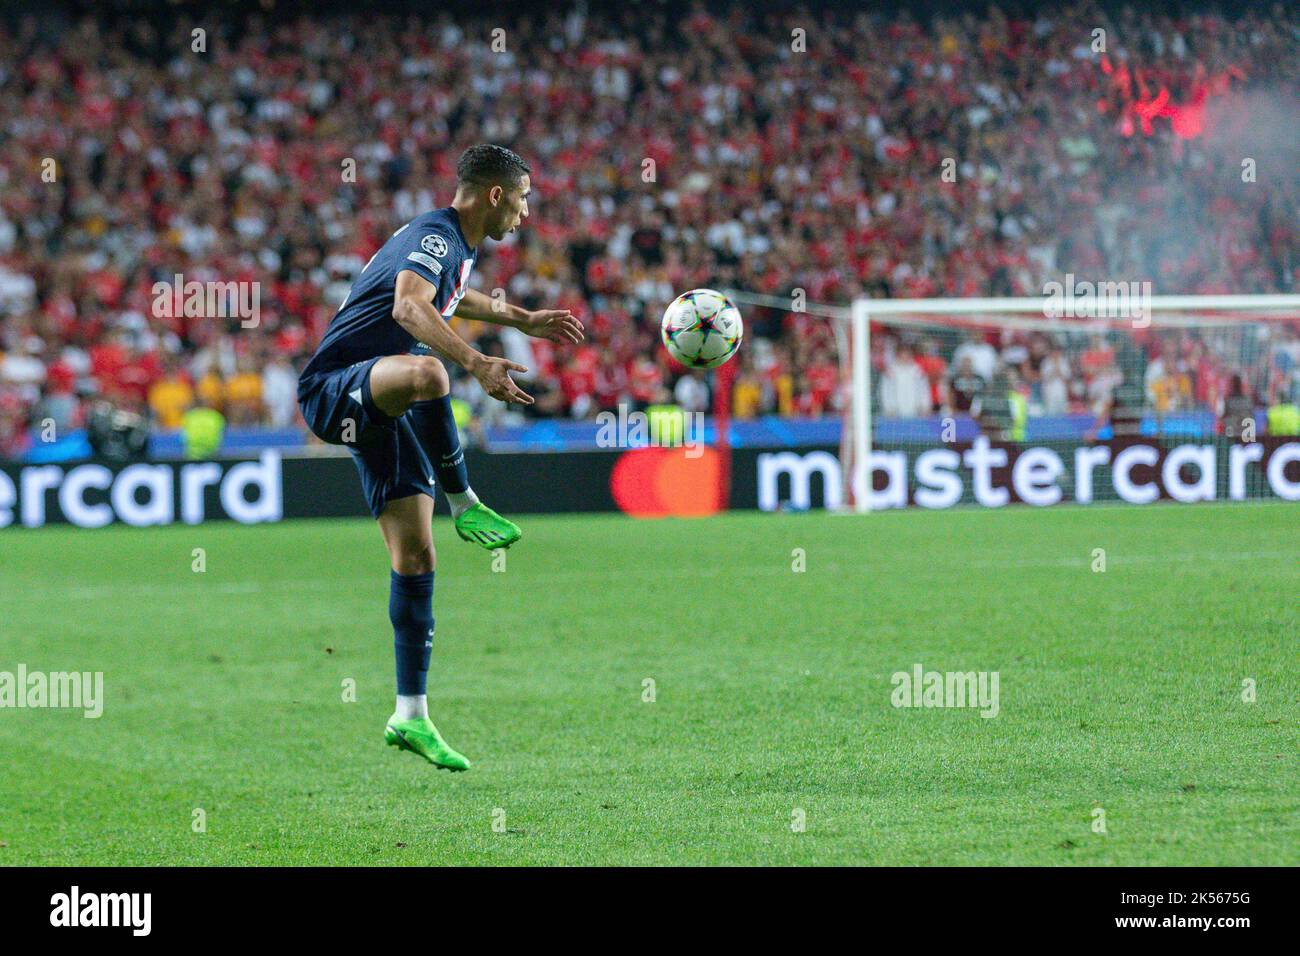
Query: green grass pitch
[[1120, 690]]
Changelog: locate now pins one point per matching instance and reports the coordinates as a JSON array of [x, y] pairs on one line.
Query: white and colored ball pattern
[[702, 328]]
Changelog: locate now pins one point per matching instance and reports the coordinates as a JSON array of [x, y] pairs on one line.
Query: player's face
[[512, 209]]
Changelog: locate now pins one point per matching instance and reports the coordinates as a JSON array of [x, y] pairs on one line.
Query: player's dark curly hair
[[488, 165]]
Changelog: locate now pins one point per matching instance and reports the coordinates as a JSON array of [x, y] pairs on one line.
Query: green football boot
[[420, 737], [485, 527]]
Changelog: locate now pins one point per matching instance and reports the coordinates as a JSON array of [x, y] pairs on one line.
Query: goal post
[[1244, 348], [1165, 385]]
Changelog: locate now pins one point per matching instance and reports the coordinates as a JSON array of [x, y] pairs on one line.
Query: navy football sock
[[435, 427], [410, 608]]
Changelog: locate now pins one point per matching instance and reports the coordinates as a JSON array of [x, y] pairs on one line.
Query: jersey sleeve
[[429, 253]]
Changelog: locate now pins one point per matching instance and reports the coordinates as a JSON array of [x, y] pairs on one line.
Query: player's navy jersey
[[430, 245]]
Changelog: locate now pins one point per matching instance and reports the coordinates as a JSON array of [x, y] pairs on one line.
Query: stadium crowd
[[967, 155]]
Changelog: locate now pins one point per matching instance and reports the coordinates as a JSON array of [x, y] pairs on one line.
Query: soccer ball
[[702, 328]]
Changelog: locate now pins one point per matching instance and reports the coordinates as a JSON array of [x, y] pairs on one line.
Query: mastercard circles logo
[[668, 482]]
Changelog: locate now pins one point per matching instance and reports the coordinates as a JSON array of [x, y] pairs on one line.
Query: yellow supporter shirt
[[746, 395], [244, 387], [211, 390], [169, 397]]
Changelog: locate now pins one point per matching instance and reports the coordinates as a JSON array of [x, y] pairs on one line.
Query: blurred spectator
[[202, 430], [170, 395], [692, 392], [747, 389], [115, 433], [904, 389], [1284, 419], [243, 394], [1238, 409], [1167, 385], [1055, 381], [773, 172], [995, 412], [280, 392], [935, 369], [965, 387], [14, 437], [982, 356], [59, 411]]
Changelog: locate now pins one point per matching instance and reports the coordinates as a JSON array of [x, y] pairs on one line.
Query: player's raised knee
[[428, 379]]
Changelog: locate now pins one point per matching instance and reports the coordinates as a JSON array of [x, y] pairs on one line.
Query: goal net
[[1073, 398]]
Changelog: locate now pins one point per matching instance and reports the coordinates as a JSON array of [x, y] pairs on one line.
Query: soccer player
[[377, 386]]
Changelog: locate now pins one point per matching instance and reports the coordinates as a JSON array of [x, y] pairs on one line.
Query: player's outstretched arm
[[413, 310], [558, 325]]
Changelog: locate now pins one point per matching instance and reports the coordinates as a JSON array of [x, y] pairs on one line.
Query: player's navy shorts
[[339, 408]]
